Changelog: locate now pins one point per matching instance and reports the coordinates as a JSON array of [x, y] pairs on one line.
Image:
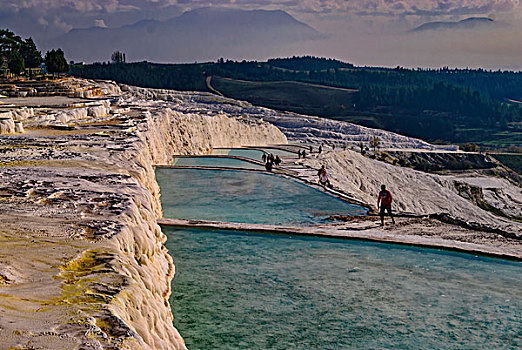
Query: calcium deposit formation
[[82, 261]]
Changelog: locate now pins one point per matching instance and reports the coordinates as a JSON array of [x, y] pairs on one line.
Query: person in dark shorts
[[384, 202], [268, 165]]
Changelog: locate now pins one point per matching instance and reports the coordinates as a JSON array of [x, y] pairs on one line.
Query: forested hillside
[[446, 104]]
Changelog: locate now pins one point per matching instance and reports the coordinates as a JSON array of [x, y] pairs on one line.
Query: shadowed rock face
[[202, 34], [82, 261]]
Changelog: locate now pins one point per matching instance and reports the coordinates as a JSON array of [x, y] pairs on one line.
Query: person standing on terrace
[[384, 202]]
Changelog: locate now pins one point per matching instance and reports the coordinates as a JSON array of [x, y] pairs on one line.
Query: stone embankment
[[82, 261]]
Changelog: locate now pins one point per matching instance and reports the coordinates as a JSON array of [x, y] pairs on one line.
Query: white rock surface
[[22, 114], [296, 127], [413, 191], [19, 127], [97, 111], [82, 263], [7, 125], [498, 192]]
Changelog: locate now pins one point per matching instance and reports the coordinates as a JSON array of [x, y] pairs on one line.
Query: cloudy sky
[[365, 32]]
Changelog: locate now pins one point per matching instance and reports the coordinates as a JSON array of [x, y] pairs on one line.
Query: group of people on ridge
[[270, 160]]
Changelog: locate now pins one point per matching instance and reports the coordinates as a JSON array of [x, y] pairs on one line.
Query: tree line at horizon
[[17, 54]]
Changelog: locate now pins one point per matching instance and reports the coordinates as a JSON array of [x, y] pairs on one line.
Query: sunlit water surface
[[244, 291]]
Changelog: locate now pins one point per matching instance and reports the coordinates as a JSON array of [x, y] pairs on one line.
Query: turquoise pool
[[240, 152], [216, 162], [247, 291], [280, 152], [249, 197]]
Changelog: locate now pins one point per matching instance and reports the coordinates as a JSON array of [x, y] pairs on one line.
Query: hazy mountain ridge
[[468, 23], [202, 34]]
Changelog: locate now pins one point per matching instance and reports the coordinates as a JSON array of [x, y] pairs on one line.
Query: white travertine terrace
[[295, 126], [423, 193], [7, 124], [82, 261]]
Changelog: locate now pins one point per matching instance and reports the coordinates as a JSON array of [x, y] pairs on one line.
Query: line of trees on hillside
[[16, 54], [179, 77], [441, 102], [307, 63], [472, 108]]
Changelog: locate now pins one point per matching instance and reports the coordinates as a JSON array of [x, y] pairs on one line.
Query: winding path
[[208, 81]]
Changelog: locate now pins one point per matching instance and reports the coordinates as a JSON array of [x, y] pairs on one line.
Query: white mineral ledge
[[82, 261]]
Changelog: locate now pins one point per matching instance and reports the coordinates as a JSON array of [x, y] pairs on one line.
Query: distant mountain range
[[468, 23], [202, 34]]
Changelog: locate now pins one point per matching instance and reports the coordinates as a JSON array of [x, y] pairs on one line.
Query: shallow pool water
[[247, 291], [242, 196], [280, 152], [215, 162], [240, 152]]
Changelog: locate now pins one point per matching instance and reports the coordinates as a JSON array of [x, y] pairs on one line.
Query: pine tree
[[15, 62], [32, 57], [56, 62]]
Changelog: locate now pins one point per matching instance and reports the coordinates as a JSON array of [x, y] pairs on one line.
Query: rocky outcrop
[[321, 130], [421, 193], [67, 86], [7, 125], [82, 261], [299, 128]]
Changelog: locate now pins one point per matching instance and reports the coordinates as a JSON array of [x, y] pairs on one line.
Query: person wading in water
[[384, 202]]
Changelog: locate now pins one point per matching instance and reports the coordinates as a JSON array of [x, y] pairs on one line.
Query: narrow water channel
[[216, 162], [240, 152], [244, 291]]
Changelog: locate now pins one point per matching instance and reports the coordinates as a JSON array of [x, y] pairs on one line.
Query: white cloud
[[391, 6], [42, 21], [62, 24], [325, 7]]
